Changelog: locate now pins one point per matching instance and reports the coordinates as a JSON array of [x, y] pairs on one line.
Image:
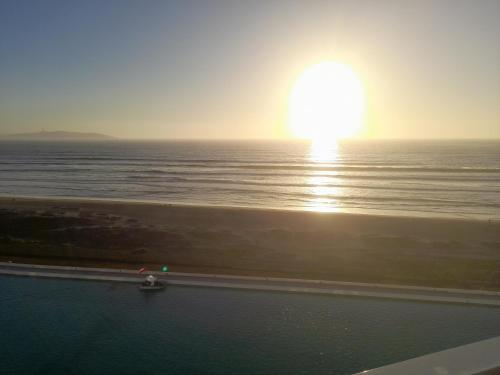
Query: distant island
[[58, 136]]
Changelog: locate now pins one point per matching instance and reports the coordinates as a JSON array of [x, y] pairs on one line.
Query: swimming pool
[[80, 327]]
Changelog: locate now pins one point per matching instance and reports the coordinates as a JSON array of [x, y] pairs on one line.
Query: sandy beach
[[446, 253]]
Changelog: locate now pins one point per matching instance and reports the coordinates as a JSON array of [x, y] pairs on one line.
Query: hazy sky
[[224, 69]]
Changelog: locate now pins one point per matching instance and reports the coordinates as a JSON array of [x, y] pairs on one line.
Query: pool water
[[51, 326]]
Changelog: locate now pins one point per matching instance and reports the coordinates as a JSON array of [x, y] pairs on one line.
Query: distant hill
[[59, 136]]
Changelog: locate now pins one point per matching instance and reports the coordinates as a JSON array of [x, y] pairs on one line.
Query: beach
[[434, 252]]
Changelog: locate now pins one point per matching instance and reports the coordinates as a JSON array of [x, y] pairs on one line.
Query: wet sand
[[446, 253]]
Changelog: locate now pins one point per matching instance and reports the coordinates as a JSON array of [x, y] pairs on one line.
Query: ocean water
[[78, 327], [415, 178]]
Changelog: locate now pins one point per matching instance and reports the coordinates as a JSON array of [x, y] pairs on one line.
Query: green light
[[164, 269]]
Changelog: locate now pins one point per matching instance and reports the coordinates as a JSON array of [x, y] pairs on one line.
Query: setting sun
[[326, 103]]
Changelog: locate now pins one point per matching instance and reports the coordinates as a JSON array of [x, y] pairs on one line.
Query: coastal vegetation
[[360, 248]]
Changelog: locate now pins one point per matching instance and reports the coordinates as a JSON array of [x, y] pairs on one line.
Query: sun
[[326, 103]]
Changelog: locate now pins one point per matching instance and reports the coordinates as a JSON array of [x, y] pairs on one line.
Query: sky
[[225, 69]]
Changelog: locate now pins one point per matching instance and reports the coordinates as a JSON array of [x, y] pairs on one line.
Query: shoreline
[[421, 215], [323, 287], [429, 252]]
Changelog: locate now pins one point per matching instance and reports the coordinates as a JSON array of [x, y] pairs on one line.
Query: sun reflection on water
[[324, 195], [323, 151]]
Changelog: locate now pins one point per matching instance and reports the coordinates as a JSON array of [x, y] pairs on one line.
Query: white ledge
[[480, 358]]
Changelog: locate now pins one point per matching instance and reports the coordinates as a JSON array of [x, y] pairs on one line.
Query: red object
[[142, 270]]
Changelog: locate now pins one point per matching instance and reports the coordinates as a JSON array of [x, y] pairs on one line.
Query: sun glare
[[326, 103]]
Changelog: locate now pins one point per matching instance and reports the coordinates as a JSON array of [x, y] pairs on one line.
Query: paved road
[[260, 283]]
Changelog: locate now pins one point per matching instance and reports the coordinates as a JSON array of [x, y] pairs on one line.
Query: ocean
[[413, 178], [81, 327]]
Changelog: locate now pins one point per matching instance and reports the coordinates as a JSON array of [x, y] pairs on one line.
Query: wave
[[246, 168], [168, 175], [326, 185], [409, 178], [269, 166], [361, 199]]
